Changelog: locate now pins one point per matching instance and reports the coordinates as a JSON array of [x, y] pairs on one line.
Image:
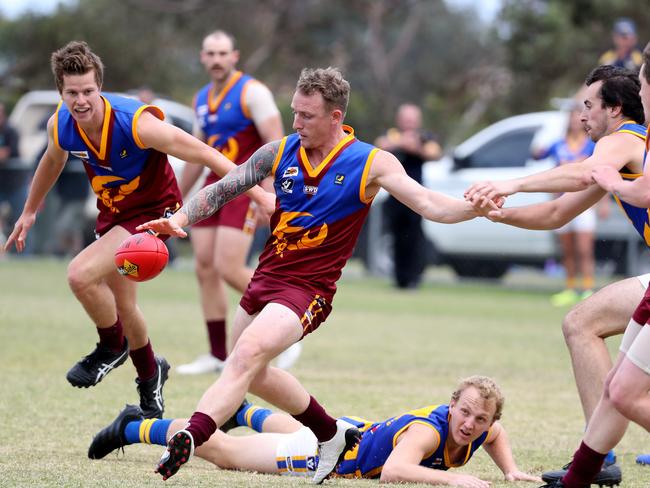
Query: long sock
[[144, 361], [147, 431], [322, 425], [112, 337], [217, 336], [201, 426], [252, 416], [586, 464]]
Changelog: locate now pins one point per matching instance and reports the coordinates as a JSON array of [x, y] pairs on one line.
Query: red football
[[141, 257]]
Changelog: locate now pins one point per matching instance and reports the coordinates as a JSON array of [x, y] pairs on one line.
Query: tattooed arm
[[213, 197]]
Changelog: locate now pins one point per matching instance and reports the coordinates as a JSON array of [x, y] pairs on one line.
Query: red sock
[[112, 337], [586, 464], [322, 425], [217, 336], [201, 426], [144, 361]]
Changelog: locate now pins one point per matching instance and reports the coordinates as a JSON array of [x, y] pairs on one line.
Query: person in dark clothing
[[413, 146]]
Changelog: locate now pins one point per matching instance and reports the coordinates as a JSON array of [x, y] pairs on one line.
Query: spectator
[[626, 53], [13, 180], [412, 146]]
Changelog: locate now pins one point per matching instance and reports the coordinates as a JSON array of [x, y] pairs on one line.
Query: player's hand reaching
[[169, 226], [486, 191], [521, 476], [484, 207], [19, 234], [605, 176]]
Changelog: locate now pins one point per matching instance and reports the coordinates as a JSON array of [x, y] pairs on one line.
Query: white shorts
[[636, 340], [585, 222], [297, 454]]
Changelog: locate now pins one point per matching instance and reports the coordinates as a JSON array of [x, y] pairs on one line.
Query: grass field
[[380, 353]]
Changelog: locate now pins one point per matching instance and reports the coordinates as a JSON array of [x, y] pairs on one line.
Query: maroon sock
[[144, 361], [112, 337], [217, 336], [322, 425], [201, 426], [586, 464]]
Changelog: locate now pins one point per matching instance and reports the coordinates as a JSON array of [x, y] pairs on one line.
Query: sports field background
[[380, 353]]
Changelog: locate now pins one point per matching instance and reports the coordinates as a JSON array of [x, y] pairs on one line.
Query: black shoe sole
[[178, 453], [612, 478], [83, 382]]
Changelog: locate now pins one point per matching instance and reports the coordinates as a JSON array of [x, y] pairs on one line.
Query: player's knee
[[206, 272], [571, 326], [248, 356], [77, 276], [620, 395]]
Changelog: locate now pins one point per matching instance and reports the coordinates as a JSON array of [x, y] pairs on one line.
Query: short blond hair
[[329, 82], [76, 58], [487, 388]]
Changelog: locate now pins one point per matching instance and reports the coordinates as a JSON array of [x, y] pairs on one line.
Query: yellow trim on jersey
[[242, 101], [314, 172], [625, 131], [214, 104], [364, 177], [145, 430], [278, 156], [56, 125], [487, 437], [136, 116], [448, 462], [101, 153], [401, 431]]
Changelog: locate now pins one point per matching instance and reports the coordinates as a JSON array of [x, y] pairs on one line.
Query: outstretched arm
[[615, 150], [552, 214], [213, 197], [387, 172], [635, 192], [498, 447], [168, 139]]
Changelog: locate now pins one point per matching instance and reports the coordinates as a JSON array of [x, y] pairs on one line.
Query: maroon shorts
[[310, 307], [238, 213], [642, 313], [102, 226]]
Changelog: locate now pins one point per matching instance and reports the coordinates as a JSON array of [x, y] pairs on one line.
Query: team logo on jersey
[[309, 189], [289, 237], [80, 154], [287, 185], [201, 110], [338, 179], [227, 106], [212, 118], [123, 153], [290, 171]]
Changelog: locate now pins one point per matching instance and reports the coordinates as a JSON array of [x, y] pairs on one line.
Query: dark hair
[[620, 88], [646, 63], [75, 58]]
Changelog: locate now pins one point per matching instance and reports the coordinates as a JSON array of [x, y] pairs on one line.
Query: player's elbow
[[392, 473]]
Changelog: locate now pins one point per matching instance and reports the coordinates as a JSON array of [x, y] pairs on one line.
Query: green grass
[[381, 352]]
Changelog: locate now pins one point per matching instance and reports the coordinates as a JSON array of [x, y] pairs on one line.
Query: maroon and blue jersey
[[638, 216], [225, 121], [378, 440], [319, 214], [128, 178]]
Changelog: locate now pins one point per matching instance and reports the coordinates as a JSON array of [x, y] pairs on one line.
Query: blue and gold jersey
[[224, 119], [320, 212], [638, 216], [127, 177], [378, 439]]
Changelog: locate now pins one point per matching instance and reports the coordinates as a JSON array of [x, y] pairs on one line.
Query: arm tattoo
[[237, 181]]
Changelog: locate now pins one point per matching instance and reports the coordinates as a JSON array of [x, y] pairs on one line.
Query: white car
[[481, 248]]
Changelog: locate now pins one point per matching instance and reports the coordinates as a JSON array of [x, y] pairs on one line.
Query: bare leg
[[87, 274], [604, 314], [230, 257], [585, 254], [212, 291]]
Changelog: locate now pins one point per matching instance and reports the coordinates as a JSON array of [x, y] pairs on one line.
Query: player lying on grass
[[418, 446]]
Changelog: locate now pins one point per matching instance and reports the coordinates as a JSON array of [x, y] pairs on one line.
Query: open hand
[[164, 226]]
